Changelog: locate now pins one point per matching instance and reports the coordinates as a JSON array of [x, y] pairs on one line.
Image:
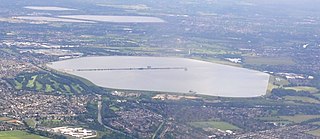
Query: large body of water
[[167, 74], [49, 8], [94, 19], [115, 19], [85, 18]]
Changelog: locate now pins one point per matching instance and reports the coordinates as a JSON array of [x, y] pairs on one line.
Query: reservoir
[[167, 74]]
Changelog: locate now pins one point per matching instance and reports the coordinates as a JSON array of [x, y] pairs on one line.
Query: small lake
[[94, 19], [166, 74], [115, 19], [51, 19], [49, 8]]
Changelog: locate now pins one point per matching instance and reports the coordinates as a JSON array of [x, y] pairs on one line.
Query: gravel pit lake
[[51, 19], [167, 74], [115, 19], [93, 19], [49, 8]]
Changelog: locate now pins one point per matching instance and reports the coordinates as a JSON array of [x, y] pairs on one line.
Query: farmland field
[[301, 99], [300, 118], [19, 135], [303, 88], [315, 132], [268, 61]]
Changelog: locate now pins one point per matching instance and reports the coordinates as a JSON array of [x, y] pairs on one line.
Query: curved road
[[110, 128]]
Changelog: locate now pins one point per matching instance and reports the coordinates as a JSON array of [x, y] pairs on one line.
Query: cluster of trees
[[289, 92]]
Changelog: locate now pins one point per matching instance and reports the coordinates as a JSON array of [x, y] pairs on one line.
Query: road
[[99, 112], [107, 127]]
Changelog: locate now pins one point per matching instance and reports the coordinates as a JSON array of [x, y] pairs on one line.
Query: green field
[[31, 81], [18, 135], [276, 82], [52, 123], [301, 99], [217, 61], [317, 95], [299, 118], [274, 119], [315, 132], [271, 118], [114, 108], [214, 124], [38, 86], [48, 83], [303, 88], [268, 61], [17, 85], [48, 88], [31, 122], [316, 123]]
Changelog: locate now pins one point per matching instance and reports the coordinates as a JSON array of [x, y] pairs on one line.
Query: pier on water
[[139, 68]]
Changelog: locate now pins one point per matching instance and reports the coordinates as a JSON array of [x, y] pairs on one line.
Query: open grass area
[[316, 123], [19, 135], [78, 78], [274, 119], [317, 95], [271, 118], [17, 85], [67, 88], [271, 86], [301, 99], [268, 61], [303, 88], [315, 132], [114, 108], [52, 123], [214, 124], [31, 122], [31, 81], [276, 82], [77, 87], [49, 83], [217, 61], [48, 88], [38, 86], [299, 118]]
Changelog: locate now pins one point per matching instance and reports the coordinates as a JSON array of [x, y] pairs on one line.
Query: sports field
[[16, 134]]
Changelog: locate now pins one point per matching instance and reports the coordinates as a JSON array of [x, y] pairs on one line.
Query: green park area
[[214, 124], [16, 134], [299, 118], [48, 83], [268, 61], [315, 132], [304, 88]]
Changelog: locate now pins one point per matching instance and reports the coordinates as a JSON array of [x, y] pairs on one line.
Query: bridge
[[139, 68]]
